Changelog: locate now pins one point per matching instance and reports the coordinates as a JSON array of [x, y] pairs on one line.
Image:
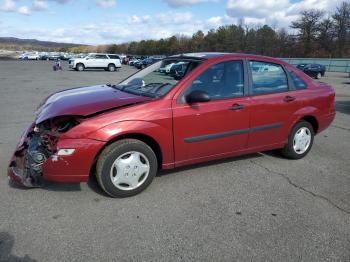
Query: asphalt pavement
[[259, 207]]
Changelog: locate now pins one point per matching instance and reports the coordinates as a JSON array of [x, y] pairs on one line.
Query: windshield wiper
[[118, 87]]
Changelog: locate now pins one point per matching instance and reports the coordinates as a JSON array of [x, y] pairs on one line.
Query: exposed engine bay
[[37, 144]]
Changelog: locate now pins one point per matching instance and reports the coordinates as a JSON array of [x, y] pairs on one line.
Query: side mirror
[[197, 96]]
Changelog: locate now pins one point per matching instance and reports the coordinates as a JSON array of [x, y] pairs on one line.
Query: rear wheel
[[80, 67], [318, 75], [300, 140], [126, 167]]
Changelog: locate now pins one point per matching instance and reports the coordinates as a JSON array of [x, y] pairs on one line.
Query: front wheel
[[126, 167], [300, 140], [80, 67], [318, 75]]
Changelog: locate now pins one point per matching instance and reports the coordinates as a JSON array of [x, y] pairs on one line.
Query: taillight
[[331, 107]]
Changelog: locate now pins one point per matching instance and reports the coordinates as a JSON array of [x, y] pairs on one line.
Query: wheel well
[[144, 138], [80, 63], [313, 121], [111, 64]]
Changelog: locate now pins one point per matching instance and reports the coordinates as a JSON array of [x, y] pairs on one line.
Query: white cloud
[[106, 3], [8, 6], [126, 28], [40, 5], [24, 10], [256, 9], [174, 18], [134, 19], [276, 12], [180, 3], [61, 1]]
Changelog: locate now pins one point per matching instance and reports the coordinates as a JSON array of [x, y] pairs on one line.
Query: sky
[[119, 21]]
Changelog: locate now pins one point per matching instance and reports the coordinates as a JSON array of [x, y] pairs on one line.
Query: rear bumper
[[325, 121], [72, 168]]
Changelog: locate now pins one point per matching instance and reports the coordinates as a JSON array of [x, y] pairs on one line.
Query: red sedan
[[213, 105]]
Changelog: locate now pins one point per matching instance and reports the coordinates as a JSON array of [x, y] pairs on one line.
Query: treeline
[[312, 35]]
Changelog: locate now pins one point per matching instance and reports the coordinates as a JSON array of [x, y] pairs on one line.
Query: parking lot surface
[[259, 207]]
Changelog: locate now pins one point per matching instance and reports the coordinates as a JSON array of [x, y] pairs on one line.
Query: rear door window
[[268, 78]]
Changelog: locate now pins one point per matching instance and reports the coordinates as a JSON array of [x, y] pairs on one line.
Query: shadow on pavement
[[342, 107], [93, 184], [49, 186], [210, 163], [6, 245]]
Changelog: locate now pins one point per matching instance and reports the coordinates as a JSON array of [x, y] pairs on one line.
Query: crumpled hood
[[84, 101]]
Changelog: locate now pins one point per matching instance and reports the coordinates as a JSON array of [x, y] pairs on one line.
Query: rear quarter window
[[113, 57], [297, 81]]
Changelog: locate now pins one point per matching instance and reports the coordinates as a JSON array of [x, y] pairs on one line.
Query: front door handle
[[289, 99], [236, 107]]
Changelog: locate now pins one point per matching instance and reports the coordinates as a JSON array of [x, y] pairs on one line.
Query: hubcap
[[130, 170], [302, 140]]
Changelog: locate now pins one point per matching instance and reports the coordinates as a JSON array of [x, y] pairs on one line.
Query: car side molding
[[231, 133]]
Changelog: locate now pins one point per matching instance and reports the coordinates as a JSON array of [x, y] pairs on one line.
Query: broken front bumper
[[31, 163]]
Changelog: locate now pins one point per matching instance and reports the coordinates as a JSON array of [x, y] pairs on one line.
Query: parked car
[[145, 62], [54, 56], [65, 57], [44, 57], [110, 62], [30, 56], [313, 70], [132, 61], [125, 133], [167, 66], [176, 68]]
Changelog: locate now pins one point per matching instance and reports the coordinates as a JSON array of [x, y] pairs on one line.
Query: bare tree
[[308, 26], [327, 35], [342, 27]]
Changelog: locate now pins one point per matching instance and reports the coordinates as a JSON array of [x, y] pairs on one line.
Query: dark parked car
[[313, 70], [145, 62], [225, 105]]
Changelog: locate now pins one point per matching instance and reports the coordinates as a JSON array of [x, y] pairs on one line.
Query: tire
[[291, 149], [131, 154], [111, 67], [80, 67], [318, 75]]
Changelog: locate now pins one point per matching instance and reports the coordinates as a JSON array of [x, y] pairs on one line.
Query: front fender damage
[[37, 144]]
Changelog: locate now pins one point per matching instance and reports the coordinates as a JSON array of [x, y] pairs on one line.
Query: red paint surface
[[168, 122]]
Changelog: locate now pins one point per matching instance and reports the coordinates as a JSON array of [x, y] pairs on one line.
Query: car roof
[[211, 55]]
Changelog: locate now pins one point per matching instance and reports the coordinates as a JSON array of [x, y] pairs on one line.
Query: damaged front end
[[37, 144]]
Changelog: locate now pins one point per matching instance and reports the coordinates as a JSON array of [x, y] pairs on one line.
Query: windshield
[[159, 78]]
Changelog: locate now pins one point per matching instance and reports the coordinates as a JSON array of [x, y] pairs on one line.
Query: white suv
[[108, 62]]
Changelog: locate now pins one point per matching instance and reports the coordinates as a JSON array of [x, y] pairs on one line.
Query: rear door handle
[[289, 99], [236, 107]]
